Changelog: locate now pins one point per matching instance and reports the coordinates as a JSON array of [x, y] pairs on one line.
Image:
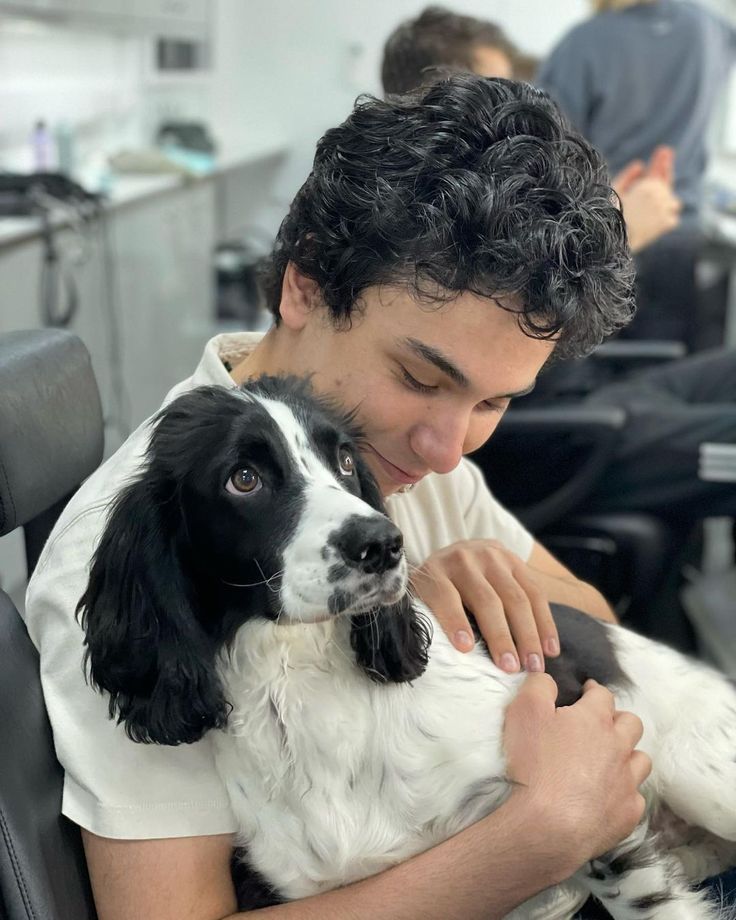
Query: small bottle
[[65, 149], [41, 146]]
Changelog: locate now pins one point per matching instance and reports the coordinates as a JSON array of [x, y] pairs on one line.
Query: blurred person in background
[[439, 41], [637, 75]]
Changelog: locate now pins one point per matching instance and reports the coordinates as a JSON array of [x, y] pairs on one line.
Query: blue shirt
[[646, 75]]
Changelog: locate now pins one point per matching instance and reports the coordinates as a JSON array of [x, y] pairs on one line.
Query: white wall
[[88, 79], [295, 68]]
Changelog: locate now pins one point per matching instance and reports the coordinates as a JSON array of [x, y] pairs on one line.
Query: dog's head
[[252, 502]]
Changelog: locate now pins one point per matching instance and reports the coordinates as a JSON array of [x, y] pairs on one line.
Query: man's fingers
[[488, 609], [662, 164], [546, 628], [599, 697], [623, 180], [641, 766], [537, 689], [629, 725], [444, 600]]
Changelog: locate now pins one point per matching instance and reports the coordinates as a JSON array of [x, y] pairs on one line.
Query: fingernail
[[551, 647], [533, 663], [509, 662], [463, 640]]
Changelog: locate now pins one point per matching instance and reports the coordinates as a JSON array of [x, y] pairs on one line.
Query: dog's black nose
[[374, 545]]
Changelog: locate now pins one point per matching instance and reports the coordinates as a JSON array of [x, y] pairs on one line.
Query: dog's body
[[349, 777], [352, 735]]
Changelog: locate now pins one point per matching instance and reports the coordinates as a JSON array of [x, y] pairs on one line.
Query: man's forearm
[[483, 872], [576, 593]]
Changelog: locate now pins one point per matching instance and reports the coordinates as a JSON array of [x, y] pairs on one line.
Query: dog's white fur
[[333, 777]]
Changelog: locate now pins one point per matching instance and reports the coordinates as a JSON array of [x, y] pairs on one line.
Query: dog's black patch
[[650, 901], [251, 890], [586, 653]]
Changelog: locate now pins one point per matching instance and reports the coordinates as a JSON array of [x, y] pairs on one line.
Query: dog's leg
[[637, 881]]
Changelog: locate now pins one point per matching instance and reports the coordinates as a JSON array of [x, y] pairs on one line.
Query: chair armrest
[[512, 457], [647, 351]]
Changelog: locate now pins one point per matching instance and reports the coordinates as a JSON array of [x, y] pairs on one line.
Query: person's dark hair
[[476, 185], [420, 50]]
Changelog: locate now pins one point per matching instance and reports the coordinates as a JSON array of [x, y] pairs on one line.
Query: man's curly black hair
[[475, 185]]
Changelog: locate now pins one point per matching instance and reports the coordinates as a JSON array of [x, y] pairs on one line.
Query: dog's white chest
[[333, 777]]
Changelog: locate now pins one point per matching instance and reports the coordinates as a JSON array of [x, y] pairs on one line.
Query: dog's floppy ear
[[392, 644], [145, 645]]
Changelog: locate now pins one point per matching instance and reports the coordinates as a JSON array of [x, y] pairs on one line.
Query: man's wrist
[[549, 843]]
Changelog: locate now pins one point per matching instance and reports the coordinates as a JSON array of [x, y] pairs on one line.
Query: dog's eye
[[345, 459], [243, 482]]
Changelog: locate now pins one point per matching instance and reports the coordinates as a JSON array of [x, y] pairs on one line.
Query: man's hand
[[502, 592], [649, 204], [650, 210], [576, 766]]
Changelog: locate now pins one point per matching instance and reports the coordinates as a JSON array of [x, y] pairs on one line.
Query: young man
[[426, 270], [661, 466]]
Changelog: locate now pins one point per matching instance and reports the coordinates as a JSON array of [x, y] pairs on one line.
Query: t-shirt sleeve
[[113, 786], [486, 517]]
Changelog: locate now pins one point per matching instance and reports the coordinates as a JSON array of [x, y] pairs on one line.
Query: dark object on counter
[[22, 194], [39, 195], [239, 297], [191, 135]]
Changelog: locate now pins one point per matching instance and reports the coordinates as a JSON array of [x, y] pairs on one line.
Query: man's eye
[[245, 481], [415, 384], [492, 406], [346, 462]]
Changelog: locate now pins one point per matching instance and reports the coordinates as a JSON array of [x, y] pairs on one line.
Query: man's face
[[430, 383]]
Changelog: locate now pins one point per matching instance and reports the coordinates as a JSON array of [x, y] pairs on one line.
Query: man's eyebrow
[[435, 357]]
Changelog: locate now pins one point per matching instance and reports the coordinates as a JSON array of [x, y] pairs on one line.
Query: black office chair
[[629, 557], [51, 438]]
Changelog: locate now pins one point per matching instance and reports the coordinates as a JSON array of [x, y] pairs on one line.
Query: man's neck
[[262, 360]]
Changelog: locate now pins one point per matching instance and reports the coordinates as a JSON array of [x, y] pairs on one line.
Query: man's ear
[[299, 296]]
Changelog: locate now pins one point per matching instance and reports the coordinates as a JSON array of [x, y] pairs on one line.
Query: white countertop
[[129, 188]]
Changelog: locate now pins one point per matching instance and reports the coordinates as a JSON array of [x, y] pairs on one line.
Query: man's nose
[[440, 445]]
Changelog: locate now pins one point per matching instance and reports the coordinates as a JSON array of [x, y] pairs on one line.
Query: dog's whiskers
[[254, 584]]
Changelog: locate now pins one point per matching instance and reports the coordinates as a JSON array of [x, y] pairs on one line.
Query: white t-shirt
[[113, 786]]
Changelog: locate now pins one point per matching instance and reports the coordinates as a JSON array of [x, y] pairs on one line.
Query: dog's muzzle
[[373, 546]]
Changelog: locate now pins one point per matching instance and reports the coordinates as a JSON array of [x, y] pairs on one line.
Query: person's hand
[[576, 766], [502, 593], [650, 209], [661, 165], [648, 201]]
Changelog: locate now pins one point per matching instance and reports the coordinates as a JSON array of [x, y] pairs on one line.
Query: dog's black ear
[[392, 644], [145, 645]]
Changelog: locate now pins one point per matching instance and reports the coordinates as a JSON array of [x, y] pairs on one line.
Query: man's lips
[[395, 472]]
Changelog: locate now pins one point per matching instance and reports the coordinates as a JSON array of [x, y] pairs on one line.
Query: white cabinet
[[164, 248], [162, 280]]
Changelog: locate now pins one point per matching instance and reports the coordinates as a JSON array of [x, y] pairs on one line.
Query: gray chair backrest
[[51, 438]]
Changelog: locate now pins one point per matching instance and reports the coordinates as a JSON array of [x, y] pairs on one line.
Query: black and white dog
[[248, 581]]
